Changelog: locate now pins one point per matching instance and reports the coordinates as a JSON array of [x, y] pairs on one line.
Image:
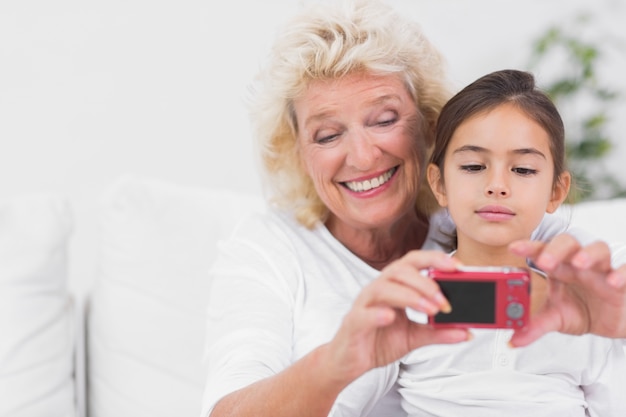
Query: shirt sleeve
[[249, 317]]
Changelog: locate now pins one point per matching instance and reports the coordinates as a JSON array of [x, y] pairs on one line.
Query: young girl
[[498, 167]]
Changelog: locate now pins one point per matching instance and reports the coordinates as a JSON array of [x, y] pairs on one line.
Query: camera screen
[[472, 302]]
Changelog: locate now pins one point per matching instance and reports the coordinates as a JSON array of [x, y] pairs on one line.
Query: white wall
[[92, 90]]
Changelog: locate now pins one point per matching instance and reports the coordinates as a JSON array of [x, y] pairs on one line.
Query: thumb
[[422, 335], [544, 322], [372, 318]]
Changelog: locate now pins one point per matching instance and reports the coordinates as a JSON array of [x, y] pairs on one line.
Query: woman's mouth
[[372, 183]]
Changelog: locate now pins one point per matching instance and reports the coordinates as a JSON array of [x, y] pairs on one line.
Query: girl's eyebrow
[[471, 148], [480, 149], [531, 151]]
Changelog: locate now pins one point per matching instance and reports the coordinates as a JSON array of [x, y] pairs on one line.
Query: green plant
[[583, 102]]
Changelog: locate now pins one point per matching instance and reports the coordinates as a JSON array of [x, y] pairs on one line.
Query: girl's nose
[[497, 191], [497, 187]]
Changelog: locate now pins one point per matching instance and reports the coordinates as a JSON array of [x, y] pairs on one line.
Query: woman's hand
[[585, 295], [376, 331]]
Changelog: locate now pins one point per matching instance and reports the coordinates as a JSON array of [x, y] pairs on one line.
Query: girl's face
[[359, 143], [498, 177]]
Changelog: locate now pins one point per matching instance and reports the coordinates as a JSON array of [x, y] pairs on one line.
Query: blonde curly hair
[[327, 42]]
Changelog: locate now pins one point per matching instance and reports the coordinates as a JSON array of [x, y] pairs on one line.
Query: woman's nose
[[363, 152]]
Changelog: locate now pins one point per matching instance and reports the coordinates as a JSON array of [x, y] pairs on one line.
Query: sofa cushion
[[600, 220], [605, 219], [36, 317], [146, 325]]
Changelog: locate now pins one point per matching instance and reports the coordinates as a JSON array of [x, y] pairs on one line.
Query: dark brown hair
[[492, 90]]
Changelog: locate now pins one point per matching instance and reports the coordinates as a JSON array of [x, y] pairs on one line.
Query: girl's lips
[[495, 213]]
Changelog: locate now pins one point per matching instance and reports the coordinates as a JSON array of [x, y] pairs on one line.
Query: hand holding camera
[[484, 297]]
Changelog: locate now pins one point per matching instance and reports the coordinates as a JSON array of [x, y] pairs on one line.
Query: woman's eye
[[384, 118], [472, 167], [387, 122], [326, 139], [524, 171]]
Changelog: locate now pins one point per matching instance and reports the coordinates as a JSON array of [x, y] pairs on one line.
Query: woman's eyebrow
[[329, 112]]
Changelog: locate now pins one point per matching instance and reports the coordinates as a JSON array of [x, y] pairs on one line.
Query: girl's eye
[[472, 167], [524, 171]]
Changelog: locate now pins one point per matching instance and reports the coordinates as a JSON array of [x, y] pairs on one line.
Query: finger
[[559, 250], [547, 255], [423, 259], [617, 278], [535, 250], [596, 255], [425, 290], [526, 248], [542, 323], [394, 292], [589, 266]]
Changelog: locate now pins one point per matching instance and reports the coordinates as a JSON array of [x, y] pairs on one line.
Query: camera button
[[515, 311]]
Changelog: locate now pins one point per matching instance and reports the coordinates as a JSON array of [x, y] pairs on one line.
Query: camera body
[[484, 297]]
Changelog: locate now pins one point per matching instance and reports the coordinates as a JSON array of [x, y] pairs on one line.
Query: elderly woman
[[307, 312]]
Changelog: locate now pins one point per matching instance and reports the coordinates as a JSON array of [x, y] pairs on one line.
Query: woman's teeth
[[367, 185]]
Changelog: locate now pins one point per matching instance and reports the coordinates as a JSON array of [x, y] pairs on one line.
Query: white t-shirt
[[558, 375], [280, 290]]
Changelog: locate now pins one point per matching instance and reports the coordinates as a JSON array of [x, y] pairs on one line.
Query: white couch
[[133, 347]]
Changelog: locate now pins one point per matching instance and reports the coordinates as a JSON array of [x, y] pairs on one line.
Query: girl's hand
[[585, 294]]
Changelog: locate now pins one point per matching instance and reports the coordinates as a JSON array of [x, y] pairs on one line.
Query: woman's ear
[[560, 191], [433, 174]]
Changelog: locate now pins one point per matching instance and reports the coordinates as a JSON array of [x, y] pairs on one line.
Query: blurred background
[[93, 90]]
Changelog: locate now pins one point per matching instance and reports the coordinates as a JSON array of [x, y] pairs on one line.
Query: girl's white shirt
[[558, 375]]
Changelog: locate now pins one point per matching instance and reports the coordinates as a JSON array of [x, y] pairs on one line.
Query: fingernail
[[515, 246], [616, 280], [443, 303], [581, 260]]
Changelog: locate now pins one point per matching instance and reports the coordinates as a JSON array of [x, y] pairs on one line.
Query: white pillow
[[147, 315], [600, 220], [36, 319], [605, 219]]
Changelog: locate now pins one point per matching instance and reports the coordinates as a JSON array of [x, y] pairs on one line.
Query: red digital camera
[[484, 297]]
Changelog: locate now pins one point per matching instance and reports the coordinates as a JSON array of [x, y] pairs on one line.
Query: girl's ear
[[560, 191], [433, 174]]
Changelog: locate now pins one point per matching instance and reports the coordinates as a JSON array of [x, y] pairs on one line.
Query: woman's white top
[[279, 290]]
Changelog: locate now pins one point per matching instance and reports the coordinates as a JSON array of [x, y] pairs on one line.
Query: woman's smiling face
[[360, 143]]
